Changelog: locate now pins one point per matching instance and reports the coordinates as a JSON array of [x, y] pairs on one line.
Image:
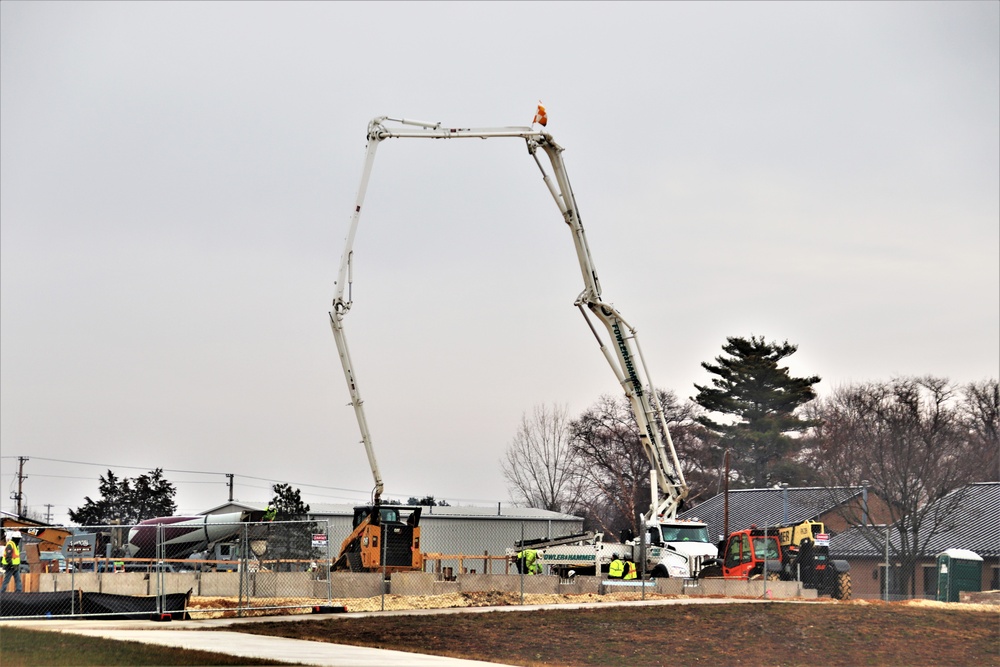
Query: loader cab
[[746, 553], [385, 537], [392, 514]]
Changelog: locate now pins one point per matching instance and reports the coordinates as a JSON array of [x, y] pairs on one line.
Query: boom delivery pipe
[[624, 354]]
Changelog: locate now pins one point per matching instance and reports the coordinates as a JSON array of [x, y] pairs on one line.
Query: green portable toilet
[[958, 570]]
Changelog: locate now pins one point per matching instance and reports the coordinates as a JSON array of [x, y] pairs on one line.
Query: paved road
[[281, 649]]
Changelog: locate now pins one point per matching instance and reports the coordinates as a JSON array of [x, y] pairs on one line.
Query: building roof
[[974, 525], [448, 511], [767, 507]]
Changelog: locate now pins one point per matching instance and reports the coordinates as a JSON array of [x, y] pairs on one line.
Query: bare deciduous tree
[[908, 440], [611, 463], [981, 414], [538, 464]]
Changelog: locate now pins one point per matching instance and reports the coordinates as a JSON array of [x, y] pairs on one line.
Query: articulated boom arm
[[625, 355]]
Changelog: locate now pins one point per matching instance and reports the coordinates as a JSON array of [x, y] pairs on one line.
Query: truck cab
[[668, 539]]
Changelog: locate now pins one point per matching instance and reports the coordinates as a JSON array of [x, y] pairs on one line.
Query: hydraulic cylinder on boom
[[623, 352]]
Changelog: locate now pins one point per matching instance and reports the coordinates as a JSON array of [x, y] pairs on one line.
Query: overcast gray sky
[[177, 180]]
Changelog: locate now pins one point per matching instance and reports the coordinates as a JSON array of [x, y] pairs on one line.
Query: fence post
[[384, 554], [521, 568], [72, 587], [642, 561], [243, 565], [765, 560], [160, 550], [329, 567], [885, 579]]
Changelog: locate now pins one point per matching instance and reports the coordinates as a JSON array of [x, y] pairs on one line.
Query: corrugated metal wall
[[475, 535], [453, 530]]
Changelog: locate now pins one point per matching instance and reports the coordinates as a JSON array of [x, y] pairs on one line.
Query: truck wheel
[[660, 572], [710, 571], [842, 588]]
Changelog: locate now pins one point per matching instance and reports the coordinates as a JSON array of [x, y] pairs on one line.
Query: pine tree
[[127, 500], [287, 503], [289, 535], [761, 398]]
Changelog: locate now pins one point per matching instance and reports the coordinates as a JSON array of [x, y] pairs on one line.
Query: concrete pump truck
[[672, 547]]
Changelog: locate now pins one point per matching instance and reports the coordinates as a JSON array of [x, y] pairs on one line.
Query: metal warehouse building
[[451, 530]]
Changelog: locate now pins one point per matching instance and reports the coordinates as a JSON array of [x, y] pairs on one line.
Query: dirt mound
[[226, 607], [964, 606]]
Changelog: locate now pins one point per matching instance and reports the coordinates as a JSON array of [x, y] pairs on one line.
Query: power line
[[115, 465], [363, 493]]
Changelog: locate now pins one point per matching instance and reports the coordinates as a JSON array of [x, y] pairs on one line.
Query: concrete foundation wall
[[580, 586], [363, 585], [355, 584], [748, 589], [218, 584], [415, 583]]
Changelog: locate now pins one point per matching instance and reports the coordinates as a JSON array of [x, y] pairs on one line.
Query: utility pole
[[19, 496], [725, 502], [48, 512], [230, 476]]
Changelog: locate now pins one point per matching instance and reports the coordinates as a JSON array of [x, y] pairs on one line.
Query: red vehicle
[[788, 553], [749, 553]]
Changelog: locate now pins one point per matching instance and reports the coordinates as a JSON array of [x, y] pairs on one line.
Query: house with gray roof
[[967, 518], [783, 505], [857, 518]]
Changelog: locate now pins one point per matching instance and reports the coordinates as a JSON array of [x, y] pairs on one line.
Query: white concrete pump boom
[[626, 359]]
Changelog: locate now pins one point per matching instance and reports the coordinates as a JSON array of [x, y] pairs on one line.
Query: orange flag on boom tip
[[540, 116]]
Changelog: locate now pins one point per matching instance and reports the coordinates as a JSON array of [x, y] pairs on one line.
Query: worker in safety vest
[[527, 562], [11, 561], [270, 513], [630, 570], [617, 568]]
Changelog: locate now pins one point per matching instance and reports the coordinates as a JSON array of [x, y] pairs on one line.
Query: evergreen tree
[[289, 539], [127, 501], [760, 398], [426, 501], [287, 503]]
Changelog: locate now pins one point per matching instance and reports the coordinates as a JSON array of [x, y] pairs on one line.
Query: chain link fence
[[882, 569], [885, 563], [207, 568]]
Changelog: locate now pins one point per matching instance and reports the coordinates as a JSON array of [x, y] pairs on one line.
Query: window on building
[[930, 581], [896, 583]]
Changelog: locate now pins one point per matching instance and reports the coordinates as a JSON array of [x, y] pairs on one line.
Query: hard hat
[[14, 535]]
